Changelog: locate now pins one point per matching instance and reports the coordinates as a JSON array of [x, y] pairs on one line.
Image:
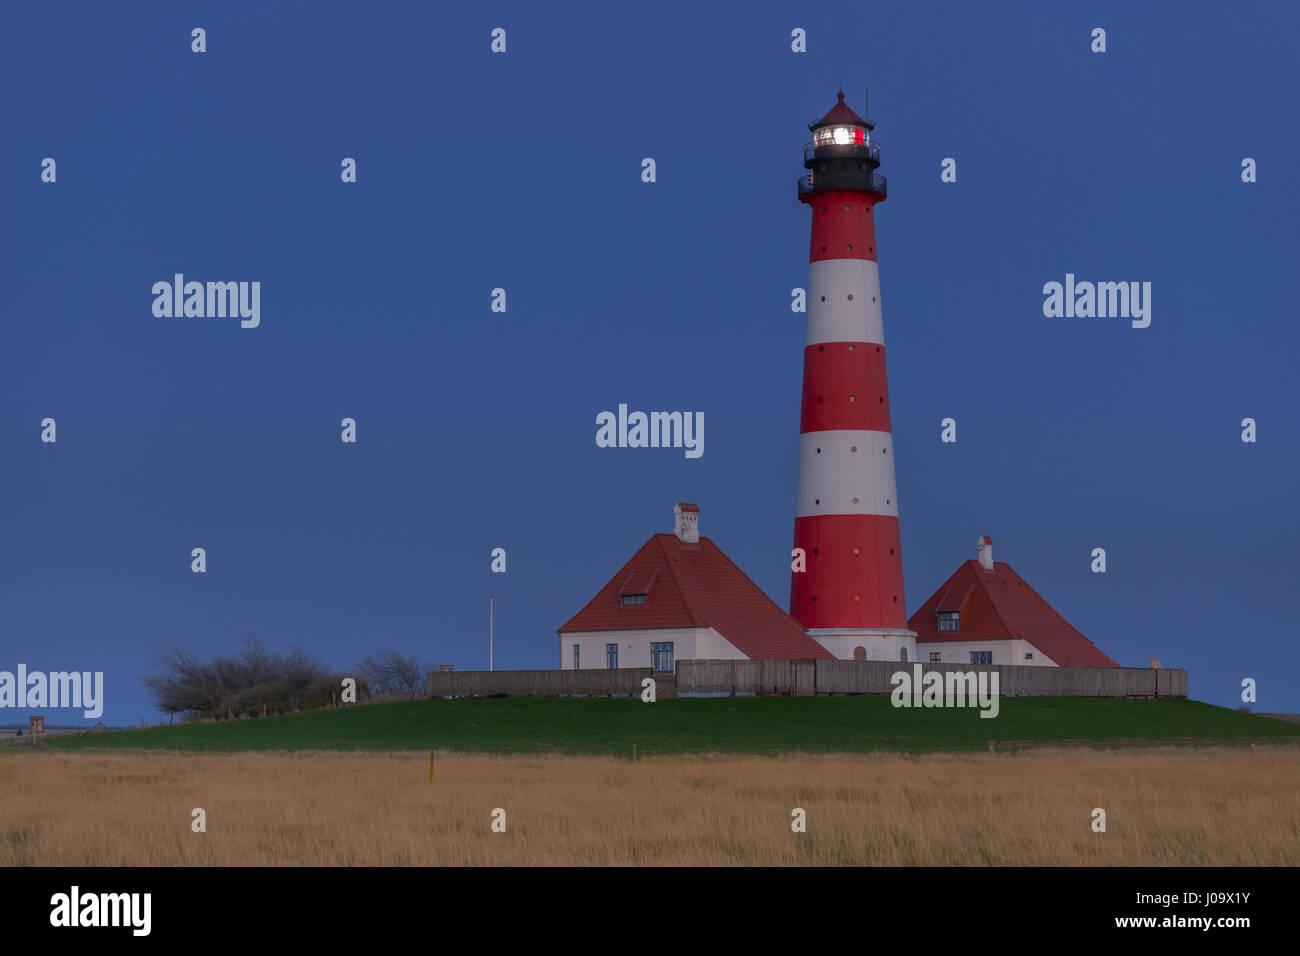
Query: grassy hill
[[756, 725]]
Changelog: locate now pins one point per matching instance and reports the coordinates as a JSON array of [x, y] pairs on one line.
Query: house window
[[981, 657], [625, 599], [575, 657], [936, 657], [611, 655], [1029, 656], [661, 657], [949, 620]]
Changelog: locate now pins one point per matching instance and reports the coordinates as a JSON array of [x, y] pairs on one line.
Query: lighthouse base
[[867, 643]]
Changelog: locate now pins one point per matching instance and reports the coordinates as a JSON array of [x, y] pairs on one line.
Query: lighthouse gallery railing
[[866, 150], [806, 184]]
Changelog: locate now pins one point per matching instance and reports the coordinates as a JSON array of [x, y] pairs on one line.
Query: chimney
[[686, 522], [986, 552]]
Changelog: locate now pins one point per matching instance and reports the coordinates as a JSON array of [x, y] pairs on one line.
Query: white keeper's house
[[680, 598], [986, 614]]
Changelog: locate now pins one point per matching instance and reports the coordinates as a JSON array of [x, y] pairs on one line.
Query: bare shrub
[[248, 683], [390, 675]]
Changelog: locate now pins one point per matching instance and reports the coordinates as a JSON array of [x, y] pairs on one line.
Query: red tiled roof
[[1000, 606], [639, 581], [687, 506], [840, 115], [696, 585], [955, 598]]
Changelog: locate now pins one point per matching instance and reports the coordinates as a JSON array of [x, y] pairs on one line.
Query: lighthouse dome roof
[[840, 115]]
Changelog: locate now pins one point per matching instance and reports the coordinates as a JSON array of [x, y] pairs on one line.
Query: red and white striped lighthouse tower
[[850, 597]]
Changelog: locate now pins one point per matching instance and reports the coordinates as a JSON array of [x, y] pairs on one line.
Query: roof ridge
[[596, 596], [741, 572], [1059, 616], [979, 578], [672, 573]]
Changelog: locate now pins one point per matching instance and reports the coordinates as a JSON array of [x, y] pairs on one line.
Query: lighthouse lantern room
[[849, 594]]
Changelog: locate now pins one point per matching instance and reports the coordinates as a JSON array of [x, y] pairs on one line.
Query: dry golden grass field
[[1206, 808]]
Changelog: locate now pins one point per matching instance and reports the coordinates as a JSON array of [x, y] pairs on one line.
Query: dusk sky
[[522, 171]]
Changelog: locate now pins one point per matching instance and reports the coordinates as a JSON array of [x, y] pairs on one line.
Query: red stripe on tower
[[850, 597]]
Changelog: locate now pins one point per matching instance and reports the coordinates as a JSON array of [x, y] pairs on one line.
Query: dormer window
[[949, 620], [625, 599], [842, 136]]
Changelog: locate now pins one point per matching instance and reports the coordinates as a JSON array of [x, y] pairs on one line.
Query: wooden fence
[[764, 677], [589, 683], [808, 678], [804, 678]]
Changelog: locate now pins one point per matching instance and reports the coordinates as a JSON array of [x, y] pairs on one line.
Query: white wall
[[689, 643], [1008, 651], [881, 644]]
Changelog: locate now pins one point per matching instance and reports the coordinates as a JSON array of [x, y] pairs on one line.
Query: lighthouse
[[849, 596]]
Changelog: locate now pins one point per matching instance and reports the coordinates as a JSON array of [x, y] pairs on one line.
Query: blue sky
[[522, 171]]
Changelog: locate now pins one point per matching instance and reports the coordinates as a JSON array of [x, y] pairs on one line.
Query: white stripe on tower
[[831, 282], [865, 488]]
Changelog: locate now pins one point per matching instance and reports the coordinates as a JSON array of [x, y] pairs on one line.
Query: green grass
[[757, 725]]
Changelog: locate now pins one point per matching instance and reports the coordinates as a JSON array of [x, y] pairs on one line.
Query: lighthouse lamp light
[[842, 136]]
